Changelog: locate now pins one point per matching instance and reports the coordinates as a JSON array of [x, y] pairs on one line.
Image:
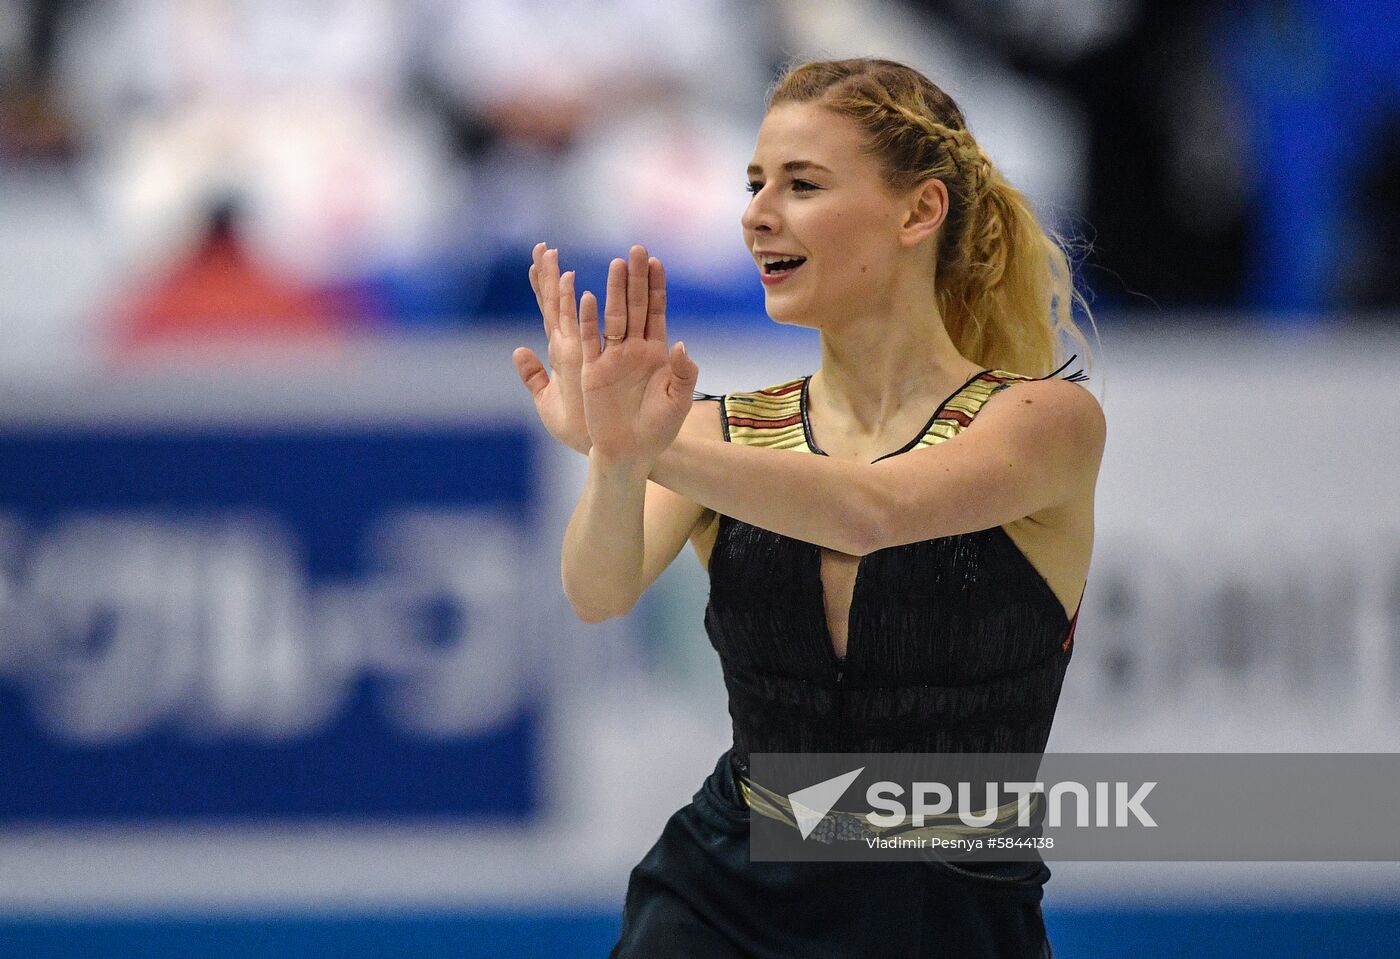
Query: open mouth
[[776, 267]]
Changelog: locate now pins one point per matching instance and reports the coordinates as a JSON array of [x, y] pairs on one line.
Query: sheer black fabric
[[954, 645]]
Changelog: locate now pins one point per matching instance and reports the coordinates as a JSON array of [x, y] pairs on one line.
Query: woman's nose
[[759, 214]]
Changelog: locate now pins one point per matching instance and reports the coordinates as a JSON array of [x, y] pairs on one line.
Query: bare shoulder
[[1044, 415], [1056, 430]]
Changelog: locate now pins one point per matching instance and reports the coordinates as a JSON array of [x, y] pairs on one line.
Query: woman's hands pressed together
[[623, 398]]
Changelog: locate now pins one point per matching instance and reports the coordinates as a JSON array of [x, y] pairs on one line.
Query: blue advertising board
[[247, 622]]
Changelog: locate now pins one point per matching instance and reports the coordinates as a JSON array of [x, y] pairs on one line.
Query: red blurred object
[[221, 292]]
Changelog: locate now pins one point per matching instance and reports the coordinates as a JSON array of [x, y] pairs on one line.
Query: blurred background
[[285, 666]]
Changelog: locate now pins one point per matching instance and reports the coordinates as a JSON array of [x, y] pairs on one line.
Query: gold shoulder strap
[[957, 413], [770, 417]]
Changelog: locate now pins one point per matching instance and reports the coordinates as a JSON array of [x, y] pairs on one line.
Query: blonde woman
[[912, 580]]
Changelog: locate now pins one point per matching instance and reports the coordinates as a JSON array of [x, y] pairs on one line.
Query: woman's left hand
[[636, 389], [558, 399]]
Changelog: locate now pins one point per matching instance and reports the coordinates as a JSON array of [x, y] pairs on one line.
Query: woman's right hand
[[558, 399]]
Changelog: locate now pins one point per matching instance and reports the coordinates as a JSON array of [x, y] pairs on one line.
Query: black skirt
[[697, 894]]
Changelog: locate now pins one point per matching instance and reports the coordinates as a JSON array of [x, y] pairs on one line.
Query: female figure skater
[[912, 581]]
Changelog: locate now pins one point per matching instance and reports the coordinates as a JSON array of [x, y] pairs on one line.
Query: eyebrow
[[791, 166]]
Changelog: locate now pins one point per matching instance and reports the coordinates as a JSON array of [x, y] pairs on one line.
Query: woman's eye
[[753, 186]]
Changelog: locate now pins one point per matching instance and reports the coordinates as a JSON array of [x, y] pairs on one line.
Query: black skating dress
[[955, 644]]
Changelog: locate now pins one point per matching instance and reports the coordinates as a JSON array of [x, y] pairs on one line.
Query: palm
[[636, 390], [552, 407], [626, 398], [560, 403]]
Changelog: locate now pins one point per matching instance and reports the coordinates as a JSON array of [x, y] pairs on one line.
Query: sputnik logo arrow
[[811, 804]]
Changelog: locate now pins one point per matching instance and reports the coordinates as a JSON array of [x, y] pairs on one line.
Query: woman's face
[[816, 195]]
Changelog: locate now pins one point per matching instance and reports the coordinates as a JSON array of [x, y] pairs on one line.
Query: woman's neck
[[873, 372]]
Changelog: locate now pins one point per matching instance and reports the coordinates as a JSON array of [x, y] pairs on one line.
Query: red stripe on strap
[[765, 424]]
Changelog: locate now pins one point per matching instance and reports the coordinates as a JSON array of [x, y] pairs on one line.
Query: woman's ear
[[927, 209]]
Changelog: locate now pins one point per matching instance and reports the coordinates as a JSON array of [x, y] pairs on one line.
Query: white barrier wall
[[1244, 595]]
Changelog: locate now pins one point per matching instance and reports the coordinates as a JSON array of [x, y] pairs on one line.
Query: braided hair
[[1004, 282]]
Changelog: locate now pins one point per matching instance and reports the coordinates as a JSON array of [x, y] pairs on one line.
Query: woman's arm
[[625, 530], [1032, 446], [811, 498]]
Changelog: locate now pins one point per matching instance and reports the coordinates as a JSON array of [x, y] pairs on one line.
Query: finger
[[588, 326], [539, 300], [536, 255], [550, 270], [685, 367], [568, 307], [530, 369], [536, 280], [615, 306], [686, 372], [656, 300], [637, 291]]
